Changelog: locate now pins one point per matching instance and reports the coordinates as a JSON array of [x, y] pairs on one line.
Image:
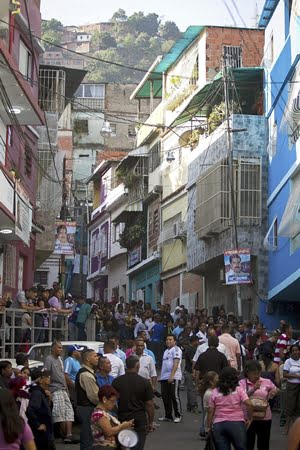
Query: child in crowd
[[206, 386]]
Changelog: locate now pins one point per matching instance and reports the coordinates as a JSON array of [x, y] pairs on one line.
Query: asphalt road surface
[[184, 435]]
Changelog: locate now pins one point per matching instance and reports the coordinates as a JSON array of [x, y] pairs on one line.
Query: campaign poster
[[238, 266], [65, 237]]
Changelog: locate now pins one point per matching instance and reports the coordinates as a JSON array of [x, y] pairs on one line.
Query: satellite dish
[[128, 438]]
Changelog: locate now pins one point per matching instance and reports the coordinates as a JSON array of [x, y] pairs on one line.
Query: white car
[[38, 352]]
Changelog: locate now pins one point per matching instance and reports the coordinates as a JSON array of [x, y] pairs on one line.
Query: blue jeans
[[227, 433], [86, 436]]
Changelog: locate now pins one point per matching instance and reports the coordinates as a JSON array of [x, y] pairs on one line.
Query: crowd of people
[[235, 375]]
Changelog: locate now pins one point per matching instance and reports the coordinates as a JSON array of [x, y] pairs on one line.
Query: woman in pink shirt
[[262, 388], [225, 415]]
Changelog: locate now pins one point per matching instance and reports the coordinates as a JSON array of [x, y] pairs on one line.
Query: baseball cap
[[69, 295], [75, 348]]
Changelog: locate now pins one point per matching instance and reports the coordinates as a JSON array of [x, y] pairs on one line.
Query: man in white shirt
[[170, 378], [117, 366], [147, 367], [202, 333]]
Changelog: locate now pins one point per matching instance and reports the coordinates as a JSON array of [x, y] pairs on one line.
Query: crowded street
[[149, 225]]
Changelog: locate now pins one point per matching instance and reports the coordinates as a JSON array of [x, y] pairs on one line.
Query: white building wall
[[117, 275]]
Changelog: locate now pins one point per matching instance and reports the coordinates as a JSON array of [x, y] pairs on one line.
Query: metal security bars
[[52, 90], [213, 213], [232, 56]]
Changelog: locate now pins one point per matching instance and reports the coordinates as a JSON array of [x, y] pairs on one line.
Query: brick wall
[[171, 288], [191, 283], [251, 41]]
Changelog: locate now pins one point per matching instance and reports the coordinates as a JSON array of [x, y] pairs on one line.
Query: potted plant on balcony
[[128, 178], [132, 235], [217, 115]]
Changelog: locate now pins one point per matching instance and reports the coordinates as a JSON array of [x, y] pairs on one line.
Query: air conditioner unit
[[179, 229]]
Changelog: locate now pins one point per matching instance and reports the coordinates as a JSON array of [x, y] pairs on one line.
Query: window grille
[[10, 266], [81, 126], [213, 196], [41, 277], [155, 157], [52, 90], [232, 56]]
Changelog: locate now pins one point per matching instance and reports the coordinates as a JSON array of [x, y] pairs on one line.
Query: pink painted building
[[20, 113]]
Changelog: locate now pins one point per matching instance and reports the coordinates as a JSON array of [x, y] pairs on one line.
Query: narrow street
[[185, 434]]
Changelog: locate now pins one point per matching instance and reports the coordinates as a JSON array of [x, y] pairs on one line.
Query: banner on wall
[[237, 266], [65, 237]]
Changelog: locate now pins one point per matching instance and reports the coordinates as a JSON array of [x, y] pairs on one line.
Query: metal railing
[[20, 329]]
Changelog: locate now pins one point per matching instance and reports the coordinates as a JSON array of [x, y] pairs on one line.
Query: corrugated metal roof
[[267, 12], [162, 64]]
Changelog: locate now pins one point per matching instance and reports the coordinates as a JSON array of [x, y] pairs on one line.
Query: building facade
[[282, 55], [19, 115]]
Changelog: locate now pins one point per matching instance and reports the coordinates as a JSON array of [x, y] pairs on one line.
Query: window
[[90, 91], [41, 277], [27, 160], [154, 157], [232, 56], [81, 126], [131, 131], [213, 196], [10, 265], [169, 228], [113, 127], [154, 224], [25, 61], [118, 229]]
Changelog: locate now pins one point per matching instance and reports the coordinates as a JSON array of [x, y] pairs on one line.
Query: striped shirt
[[281, 344]]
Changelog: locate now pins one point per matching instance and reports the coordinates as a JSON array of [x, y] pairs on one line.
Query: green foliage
[[217, 115], [169, 30], [135, 40], [52, 32], [119, 16], [133, 234], [52, 25], [103, 40], [53, 38]]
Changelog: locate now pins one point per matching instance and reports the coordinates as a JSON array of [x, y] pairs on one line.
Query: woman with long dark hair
[[225, 415], [14, 432]]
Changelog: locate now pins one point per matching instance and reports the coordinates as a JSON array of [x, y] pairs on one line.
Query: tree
[[144, 24], [103, 40], [52, 32], [119, 16], [52, 25], [52, 37], [169, 30]]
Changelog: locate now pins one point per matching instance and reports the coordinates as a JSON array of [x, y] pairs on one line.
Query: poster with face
[[238, 266], [65, 237]]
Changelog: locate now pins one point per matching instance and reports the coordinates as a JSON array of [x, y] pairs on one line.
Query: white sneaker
[[165, 419], [177, 419]]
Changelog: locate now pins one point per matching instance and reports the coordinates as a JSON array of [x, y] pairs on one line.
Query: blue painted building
[[281, 20]]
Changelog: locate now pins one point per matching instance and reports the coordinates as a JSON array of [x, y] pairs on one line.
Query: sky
[[183, 12]]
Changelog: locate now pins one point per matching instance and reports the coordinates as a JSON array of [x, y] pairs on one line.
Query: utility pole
[[234, 230], [63, 213]]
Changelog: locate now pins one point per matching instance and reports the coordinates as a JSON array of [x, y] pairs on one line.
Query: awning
[[152, 81], [131, 157], [132, 208], [246, 81], [267, 12], [290, 222]]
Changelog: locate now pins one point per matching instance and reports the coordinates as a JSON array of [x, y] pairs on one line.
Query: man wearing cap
[[72, 367]]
